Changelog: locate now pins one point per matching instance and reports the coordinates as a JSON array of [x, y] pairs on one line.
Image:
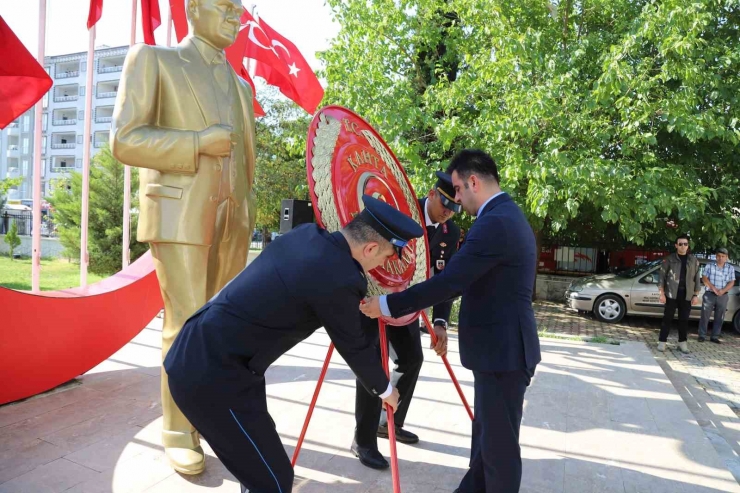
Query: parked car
[[635, 292]]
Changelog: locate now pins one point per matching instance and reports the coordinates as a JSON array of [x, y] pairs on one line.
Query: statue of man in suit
[[186, 119]]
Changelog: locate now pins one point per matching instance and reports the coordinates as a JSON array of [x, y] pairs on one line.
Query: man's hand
[[441, 347], [716, 291], [695, 300], [393, 399], [662, 297], [215, 141], [371, 307]]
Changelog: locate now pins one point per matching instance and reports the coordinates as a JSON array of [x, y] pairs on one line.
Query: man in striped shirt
[[719, 277]]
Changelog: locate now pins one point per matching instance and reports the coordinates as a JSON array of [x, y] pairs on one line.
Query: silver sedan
[[635, 292]]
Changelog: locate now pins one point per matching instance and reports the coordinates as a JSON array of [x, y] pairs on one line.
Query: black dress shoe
[[402, 435], [715, 340], [369, 457], [701, 339]]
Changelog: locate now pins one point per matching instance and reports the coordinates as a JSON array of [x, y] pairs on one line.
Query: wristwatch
[[441, 322]]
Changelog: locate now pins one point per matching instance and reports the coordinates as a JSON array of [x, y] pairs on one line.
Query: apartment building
[[63, 120]]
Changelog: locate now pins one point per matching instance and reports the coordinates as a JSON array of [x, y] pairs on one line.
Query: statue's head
[[216, 21]]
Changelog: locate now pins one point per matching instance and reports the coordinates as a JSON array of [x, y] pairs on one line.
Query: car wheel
[[609, 308], [736, 322]]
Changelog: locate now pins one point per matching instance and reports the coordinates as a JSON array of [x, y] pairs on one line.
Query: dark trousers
[[242, 434], [495, 456], [713, 303], [405, 351], [684, 310]]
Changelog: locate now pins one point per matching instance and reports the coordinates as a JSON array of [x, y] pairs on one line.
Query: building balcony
[[13, 125], [61, 169], [13, 130], [100, 143], [110, 70], [65, 122], [63, 146], [60, 99], [12, 152], [111, 94], [103, 119], [67, 75]]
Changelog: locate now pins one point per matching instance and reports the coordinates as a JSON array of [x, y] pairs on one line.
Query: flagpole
[[127, 171], [252, 64], [169, 26], [36, 238], [87, 141]]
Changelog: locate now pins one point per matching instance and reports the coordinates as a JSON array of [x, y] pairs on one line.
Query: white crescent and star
[[251, 25]]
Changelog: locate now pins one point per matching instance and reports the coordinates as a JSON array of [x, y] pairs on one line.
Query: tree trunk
[[538, 243]]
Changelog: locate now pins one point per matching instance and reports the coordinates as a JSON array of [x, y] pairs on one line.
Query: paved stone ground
[[716, 367], [708, 378], [598, 418]]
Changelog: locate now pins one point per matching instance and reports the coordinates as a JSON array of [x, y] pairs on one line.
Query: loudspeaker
[[293, 213]]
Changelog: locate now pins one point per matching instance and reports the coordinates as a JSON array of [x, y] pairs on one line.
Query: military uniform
[[405, 347], [216, 365]]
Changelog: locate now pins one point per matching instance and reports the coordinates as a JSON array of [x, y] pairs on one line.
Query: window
[[25, 144], [43, 144], [79, 139], [80, 115], [82, 91], [44, 120], [26, 123], [24, 168], [46, 100], [83, 67]]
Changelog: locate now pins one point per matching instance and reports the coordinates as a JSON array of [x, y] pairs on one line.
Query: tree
[[616, 112], [281, 158], [6, 185], [105, 220], [12, 239]]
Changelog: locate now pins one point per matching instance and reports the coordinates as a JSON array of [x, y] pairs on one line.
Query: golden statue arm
[[136, 140]]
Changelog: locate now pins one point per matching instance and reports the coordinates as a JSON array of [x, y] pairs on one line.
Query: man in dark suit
[[405, 341], [498, 333], [217, 363]]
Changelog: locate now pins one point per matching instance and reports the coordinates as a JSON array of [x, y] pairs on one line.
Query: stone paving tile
[[715, 366]]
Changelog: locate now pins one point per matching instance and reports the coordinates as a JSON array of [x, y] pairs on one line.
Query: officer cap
[[447, 191], [391, 224]]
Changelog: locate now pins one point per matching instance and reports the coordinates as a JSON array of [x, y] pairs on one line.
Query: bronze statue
[[185, 117]]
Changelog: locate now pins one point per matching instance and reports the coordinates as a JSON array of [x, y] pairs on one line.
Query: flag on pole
[[22, 80], [96, 10], [150, 19], [179, 18], [281, 64], [235, 56]]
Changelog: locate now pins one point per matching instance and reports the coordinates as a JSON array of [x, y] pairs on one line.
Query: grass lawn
[[55, 274]]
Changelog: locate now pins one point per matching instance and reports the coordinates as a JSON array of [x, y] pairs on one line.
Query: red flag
[[150, 19], [22, 80], [179, 18], [282, 65], [96, 10], [235, 56]]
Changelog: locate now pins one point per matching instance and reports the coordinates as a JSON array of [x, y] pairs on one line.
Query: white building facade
[[63, 120]]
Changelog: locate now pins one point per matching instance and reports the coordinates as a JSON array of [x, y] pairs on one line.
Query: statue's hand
[[216, 141]]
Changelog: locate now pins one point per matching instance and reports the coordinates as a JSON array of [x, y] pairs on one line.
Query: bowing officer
[[216, 365], [405, 341]]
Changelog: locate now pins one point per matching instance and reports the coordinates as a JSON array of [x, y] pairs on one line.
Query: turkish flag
[[96, 10], [22, 80], [150, 19], [281, 64], [179, 18], [235, 56]]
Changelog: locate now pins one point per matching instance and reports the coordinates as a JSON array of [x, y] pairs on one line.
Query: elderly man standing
[[186, 118], [719, 277], [679, 287]]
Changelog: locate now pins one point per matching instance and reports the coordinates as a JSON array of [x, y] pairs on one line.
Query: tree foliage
[[105, 219], [281, 158], [602, 114]]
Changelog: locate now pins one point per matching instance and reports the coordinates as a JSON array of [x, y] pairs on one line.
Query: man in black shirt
[[679, 287]]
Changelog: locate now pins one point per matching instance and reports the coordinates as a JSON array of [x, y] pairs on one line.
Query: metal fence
[[24, 223]]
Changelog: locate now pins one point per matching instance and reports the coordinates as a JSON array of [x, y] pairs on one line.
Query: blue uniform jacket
[[304, 280], [495, 272]]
